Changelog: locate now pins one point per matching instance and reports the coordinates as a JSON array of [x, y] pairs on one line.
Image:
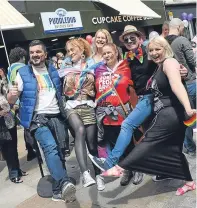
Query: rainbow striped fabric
[[191, 122], [44, 82]]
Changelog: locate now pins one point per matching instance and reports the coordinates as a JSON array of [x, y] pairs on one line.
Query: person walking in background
[[160, 152], [17, 59], [39, 89], [165, 29], [184, 54], [60, 58], [79, 93], [8, 138], [54, 61], [60, 55], [59, 63]]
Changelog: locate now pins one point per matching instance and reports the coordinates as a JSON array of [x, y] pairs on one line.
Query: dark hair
[[16, 54], [38, 42]]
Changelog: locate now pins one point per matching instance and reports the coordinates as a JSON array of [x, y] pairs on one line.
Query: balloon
[[190, 17], [153, 34], [184, 16], [186, 23], [89, 39]]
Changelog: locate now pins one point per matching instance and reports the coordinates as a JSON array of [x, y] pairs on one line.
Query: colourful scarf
[[86, 67], [138, 55]]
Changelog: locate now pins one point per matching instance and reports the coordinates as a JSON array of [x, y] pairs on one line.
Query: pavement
[[146, 195]]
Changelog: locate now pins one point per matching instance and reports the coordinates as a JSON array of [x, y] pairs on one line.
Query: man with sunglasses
[[141, 69]]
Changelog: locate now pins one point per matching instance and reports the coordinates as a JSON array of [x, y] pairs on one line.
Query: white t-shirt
[[46, 96]]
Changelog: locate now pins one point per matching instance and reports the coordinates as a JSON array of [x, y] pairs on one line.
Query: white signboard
[[61, 21]]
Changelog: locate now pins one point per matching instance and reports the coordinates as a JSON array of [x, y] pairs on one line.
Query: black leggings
[[83, 134]]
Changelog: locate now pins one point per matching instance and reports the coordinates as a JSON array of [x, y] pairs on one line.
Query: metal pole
[[6, 52], [164, 7]]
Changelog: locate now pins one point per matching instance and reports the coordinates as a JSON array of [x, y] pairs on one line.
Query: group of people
[[103, 100]]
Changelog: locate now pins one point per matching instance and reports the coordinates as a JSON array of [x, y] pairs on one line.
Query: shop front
[[185, 11], [56, 21]]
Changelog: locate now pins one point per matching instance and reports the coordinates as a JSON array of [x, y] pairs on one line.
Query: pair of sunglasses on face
[[130, 39]]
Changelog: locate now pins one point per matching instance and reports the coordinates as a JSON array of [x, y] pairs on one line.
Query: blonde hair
[[82, 44], [107, 35], [162, 42]]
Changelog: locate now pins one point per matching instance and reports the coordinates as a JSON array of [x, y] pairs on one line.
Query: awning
[[11, 19], [131, 7]]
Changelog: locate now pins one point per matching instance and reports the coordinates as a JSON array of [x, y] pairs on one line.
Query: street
[[146, 195]]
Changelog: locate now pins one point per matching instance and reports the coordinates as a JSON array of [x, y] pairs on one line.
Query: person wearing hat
[[142, 70]]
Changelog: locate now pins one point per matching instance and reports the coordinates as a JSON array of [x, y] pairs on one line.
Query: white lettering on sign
[[115, 19], [61, 21]]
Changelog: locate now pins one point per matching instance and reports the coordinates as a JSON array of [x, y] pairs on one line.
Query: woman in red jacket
[[112, 97]]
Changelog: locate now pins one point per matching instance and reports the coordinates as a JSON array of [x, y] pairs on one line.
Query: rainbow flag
[[191, 122]]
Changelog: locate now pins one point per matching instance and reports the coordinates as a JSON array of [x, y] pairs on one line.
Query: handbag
[[138, 133]]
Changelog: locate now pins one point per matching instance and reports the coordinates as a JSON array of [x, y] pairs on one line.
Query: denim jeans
[[135, 119], [189, 143], [56, 167]]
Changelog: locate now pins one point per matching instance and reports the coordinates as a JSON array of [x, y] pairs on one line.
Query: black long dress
[[160, 152]]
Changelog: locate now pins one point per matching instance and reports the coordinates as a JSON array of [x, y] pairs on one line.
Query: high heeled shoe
[[185, 188], [116, 171], [16, 180]]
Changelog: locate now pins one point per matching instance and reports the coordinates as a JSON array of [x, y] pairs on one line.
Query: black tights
[[84, 134]]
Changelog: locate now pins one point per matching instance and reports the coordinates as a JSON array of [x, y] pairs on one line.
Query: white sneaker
[[100, 183], [87, 179]]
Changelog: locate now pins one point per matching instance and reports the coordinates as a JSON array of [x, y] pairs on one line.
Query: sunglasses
[[130, 39]]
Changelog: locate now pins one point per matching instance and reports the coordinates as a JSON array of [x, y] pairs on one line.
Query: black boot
[[31, 155]]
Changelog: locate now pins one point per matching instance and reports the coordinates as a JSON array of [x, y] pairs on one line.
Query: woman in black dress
[[160, 152]]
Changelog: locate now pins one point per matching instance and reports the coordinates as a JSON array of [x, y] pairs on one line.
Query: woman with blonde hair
[[79, 92], [102, 37], [160, 152]]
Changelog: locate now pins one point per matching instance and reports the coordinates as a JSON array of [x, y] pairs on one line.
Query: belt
[[106, 104], [85, 106]]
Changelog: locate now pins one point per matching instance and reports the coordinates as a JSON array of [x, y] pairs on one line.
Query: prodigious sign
[[115, 19], [61, 21]]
